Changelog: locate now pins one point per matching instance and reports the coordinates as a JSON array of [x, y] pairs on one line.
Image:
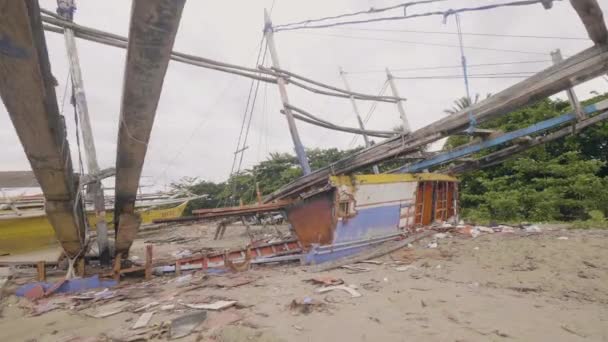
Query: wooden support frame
[[28, 91], [152, 31]]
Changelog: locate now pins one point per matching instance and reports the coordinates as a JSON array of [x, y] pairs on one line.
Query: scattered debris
[[373, 262], [219, 305], [146, 307], [532, 229], [574, 332], [167, 307], [589, 264], [355, 269], [230, 281], [562, 238], [432, 245], [143, 320], [183, 325], [305, 306], [441, 236], [217, 320], [325, 281], [353, 293], [42, 289], [405, 268], [107, 310]]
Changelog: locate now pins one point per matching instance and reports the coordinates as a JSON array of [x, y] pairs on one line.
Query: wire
[[368, 116], [444, 14], [443, 77], [447, 67], [421, 43], [464, 33], [370, 11]]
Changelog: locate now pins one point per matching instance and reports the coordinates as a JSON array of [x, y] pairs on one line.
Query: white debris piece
[[532, 229], [432, 245], [441, 236], [219, 305], [562, 238], [143, 320], [353, 293]]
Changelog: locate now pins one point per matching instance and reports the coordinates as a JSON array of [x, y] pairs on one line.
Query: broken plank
[[152, 32]]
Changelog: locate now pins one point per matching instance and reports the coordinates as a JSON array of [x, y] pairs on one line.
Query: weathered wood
[[293, 130], [152, 31], [399, 104], [591, 14], [80, 99], [556, 57], [579, 68], [358, 115], [41, 271], [148, 265], [27, 90]]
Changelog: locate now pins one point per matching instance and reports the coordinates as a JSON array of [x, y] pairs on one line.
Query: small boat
[[24, 226]]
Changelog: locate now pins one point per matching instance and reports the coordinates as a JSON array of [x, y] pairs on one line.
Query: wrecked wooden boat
[[355, 212]]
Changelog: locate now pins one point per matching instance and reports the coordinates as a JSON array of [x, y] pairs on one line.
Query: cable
[[304, 24], [370, 11], [464, 33], [444, 77], [368, 116], [447, 67], [421, 43]]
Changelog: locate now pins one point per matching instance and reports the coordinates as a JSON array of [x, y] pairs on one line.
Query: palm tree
[[461, 103]]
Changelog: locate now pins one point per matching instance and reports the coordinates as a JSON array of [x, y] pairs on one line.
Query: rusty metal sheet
[[313, 219]]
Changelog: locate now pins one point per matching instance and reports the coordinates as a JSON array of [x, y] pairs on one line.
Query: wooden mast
[[293, 130], [358, 115], [65, 8]]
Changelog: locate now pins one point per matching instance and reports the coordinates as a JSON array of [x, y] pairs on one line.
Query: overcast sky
[[200, 110]]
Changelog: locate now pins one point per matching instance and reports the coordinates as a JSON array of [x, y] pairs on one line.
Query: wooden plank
[[152, 32], [591, 14], [579, 68], [27, 90]]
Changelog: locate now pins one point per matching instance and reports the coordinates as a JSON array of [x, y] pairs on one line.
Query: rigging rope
[[368, 116]]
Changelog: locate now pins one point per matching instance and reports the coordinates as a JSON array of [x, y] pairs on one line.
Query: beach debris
[[325, 281], [219, 305], [183, 279], [353, 293], [562, 238], [217, 320], [405, 268], [181, 254], [74, 285], [167, 307], [373, 262], [355, 269], [304, 306], [107, 310], [432, 245], [146, 307], [589, 264], [532, 229], [230, 281], [183, 325], [485, 229], [143, 320], [441, 236]]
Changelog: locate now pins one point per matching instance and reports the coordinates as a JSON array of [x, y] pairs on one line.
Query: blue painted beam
[[470, 149]]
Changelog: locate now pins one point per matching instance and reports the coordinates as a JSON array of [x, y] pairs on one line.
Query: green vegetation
[[565, 180]]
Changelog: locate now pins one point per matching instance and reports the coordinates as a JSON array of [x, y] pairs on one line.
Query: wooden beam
[[591, 14], [27, 90], [579, 68], [152, 31]]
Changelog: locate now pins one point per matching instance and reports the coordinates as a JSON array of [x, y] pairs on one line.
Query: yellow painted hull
[[23, 234]]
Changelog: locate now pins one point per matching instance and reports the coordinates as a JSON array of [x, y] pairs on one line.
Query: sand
[[497, 287]]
